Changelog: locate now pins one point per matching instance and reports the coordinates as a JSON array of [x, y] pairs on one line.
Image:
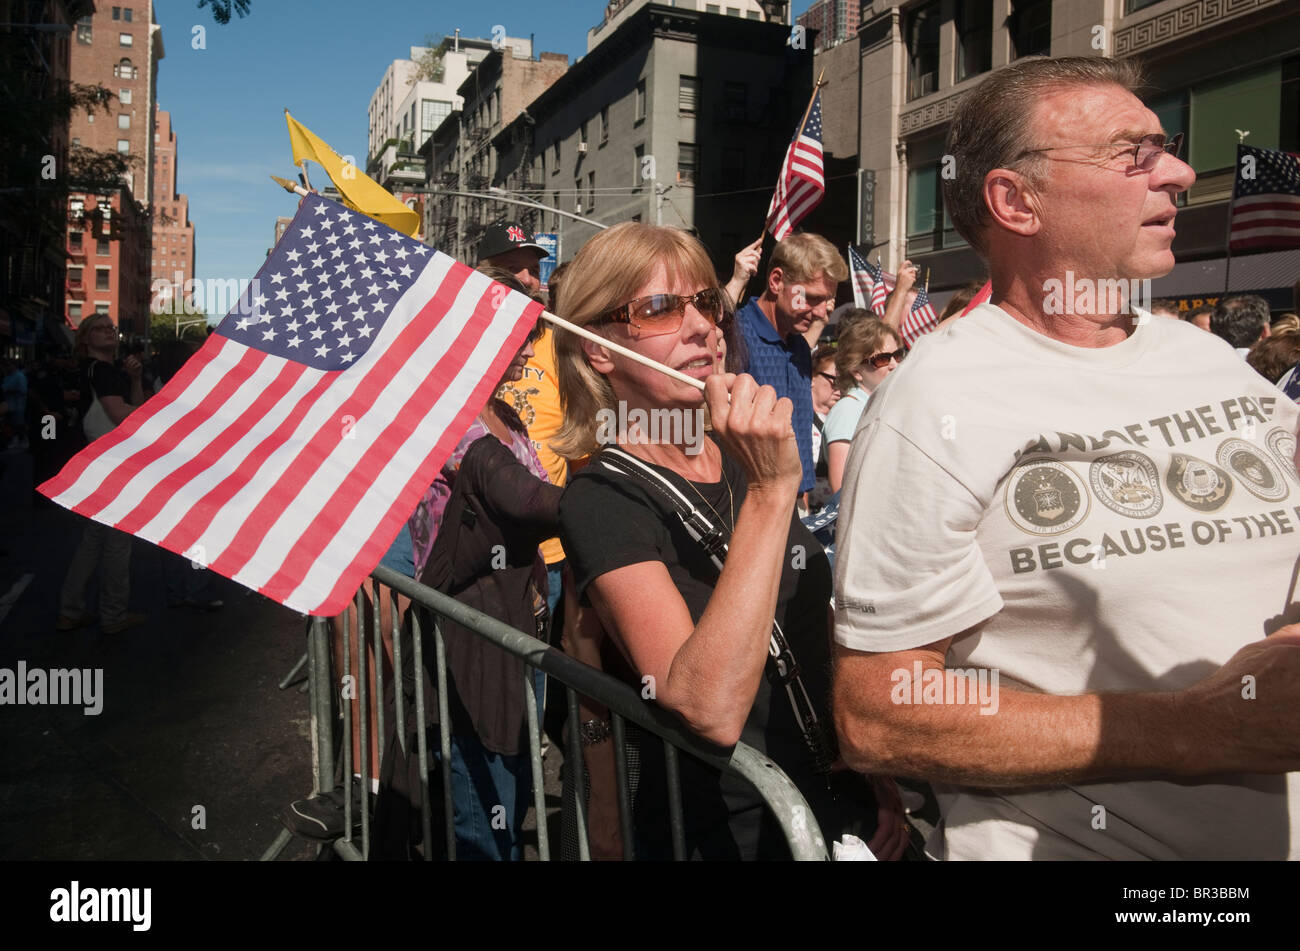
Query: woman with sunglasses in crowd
[[694, 634], [865, 354]]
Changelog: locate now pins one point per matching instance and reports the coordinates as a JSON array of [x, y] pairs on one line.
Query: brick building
[[834, 21], [110, 233], [34, 60], [173, 252]]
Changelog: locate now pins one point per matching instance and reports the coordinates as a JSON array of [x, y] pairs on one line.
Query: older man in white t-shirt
[[1070, 532]]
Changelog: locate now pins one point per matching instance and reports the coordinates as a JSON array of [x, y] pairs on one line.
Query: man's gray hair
[[992, 128]]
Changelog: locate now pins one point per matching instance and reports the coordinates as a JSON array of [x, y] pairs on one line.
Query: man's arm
[[1035, 738], [896, 302]]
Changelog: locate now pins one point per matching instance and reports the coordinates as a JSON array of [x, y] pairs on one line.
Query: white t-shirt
[[1001, 465]]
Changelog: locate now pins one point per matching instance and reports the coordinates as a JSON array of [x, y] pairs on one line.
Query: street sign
[[551, 242], [866, 207]]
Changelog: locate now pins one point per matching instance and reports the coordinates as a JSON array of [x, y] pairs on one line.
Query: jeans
[[110, 551], [490, 793], [185, 582]]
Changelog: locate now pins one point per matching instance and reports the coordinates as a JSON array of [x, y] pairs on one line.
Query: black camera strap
[[782, 667]]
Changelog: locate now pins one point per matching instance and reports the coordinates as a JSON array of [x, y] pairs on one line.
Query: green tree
[[222, 9], [429, 66], [163, 326]]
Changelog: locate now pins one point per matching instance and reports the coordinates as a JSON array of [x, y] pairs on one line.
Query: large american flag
[[1265, 200], [802, 183], [289, 450]]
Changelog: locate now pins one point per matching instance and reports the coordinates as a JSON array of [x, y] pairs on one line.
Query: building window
[[577, 195], [1132, 6], [124, 96], [101, 247], [1031, 28], [123, 120], [124, 145], [101, 307], [733, 11], [923, 51], [85, 30], [101, 278], [712, 8], [74, 313], [124, 69], [688, 160], [434, 111], [582, 132], [90, 118], [1248, 101], [688, 94], [753, 15], [733, 101], [639, 169], [733, 169], [604, 124], [74, 277], [124, 39], [126, 14], [74, 240], [117, 13], [555, 156], [640, 100], [974, 38], [76, 141], [555, 203]]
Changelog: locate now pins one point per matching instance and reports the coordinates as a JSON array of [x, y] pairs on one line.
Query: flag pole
[[561, 322], [802, 122]]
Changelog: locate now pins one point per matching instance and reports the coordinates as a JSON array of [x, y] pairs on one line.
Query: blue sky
[[322, 60]]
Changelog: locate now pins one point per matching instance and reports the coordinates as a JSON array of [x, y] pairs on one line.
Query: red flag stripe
[[171, 485]]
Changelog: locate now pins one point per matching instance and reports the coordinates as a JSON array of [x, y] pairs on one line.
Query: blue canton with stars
[[326, 288], [1276, 173]]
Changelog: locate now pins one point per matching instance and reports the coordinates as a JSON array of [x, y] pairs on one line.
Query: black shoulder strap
[[783, 669]]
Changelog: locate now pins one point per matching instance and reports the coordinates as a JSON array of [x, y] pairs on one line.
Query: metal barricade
[[779, 794]]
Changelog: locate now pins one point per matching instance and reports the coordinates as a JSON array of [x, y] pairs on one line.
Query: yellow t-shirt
[[536, 398]]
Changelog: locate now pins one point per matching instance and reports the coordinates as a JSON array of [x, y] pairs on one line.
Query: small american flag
[[802, 183], [288, 451], [870, 289], [920, 320], [1265, 200]]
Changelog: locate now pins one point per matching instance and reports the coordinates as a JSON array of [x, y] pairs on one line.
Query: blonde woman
[[698, 634], [866, 353]]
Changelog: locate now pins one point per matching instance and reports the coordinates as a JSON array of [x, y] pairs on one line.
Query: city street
[[192, 715]]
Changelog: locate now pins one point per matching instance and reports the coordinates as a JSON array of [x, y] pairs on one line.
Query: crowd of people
[[964, 636]]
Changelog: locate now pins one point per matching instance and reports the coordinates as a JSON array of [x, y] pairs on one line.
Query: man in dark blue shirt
[[800, 288]]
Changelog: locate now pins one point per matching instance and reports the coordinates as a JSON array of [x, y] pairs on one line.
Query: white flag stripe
[[104, 466], [359, 525], [143, 481], [218, 536], [182, 502], [313, 495], [1266, 214]]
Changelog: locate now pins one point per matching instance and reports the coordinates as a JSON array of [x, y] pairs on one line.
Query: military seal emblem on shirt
[[1046, 497], [1198, 484], [1253, 469], [1128, 483], [1281, 444]]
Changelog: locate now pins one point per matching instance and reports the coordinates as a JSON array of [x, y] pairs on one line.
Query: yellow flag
[[359, 191]]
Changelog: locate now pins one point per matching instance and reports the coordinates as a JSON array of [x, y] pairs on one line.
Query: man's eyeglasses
[[881, 360], [1145, 151], [661, 314]]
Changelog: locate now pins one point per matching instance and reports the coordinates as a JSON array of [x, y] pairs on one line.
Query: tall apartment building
[[173, 232], [460, 153], [835, 21], [35, 41], [678, 117], [404, 111], [1213, 68], [110, 232]]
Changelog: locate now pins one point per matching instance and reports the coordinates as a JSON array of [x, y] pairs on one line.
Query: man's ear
[[600, 358], [1012, 202], [775, 280]]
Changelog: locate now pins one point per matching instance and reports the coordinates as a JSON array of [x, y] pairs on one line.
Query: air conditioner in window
[[582, 148]]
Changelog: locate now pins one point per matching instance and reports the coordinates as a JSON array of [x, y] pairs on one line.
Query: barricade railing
[[780, 796]]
